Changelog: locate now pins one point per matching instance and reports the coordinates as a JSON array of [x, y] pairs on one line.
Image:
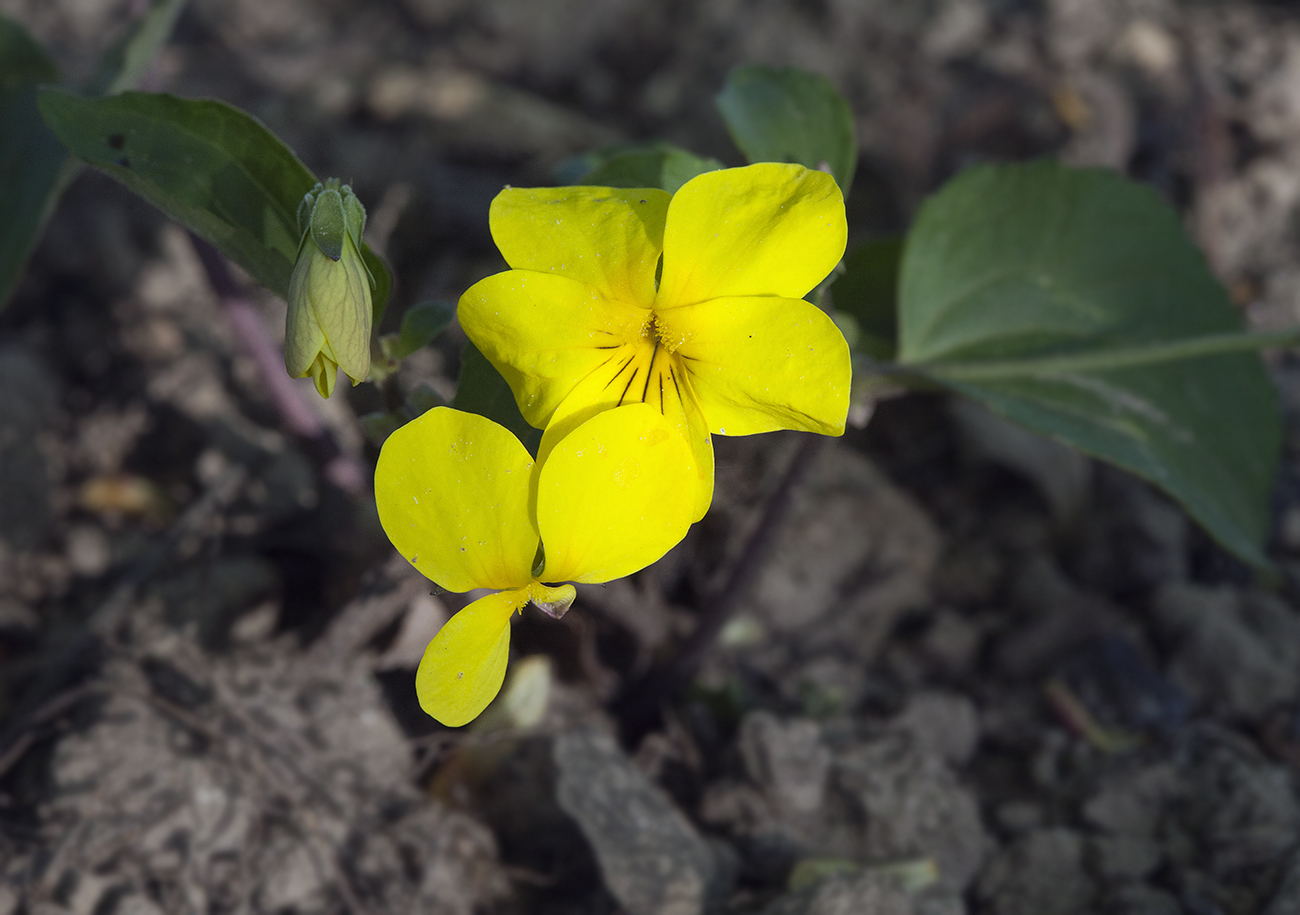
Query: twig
[[640, 707], [298, 417]]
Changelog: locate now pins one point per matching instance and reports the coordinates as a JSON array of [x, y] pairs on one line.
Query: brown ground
[[978, 674]]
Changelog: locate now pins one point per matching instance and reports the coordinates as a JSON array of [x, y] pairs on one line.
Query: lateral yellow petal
[[608, 238], [545, 333], [766, 229], [452, 493], [639, 373], [462, 669], [761, 364], [614, 495]]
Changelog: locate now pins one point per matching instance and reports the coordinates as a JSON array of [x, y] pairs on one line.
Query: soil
[[977, 673]]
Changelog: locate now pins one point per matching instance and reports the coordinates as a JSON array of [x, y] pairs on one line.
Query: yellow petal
[[324, 372], [767, 229], [614, 495], [462, 669], [545, 333], [634, 373], [606, 238], [761, 364], [452, 492]]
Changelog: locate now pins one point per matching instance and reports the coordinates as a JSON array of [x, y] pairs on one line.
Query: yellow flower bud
[[330, 312]]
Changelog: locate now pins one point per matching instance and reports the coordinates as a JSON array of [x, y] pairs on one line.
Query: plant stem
[[298, 417], [640, 707], [1110, 359]]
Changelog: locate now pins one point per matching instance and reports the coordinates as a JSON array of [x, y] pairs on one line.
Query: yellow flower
[[715, 334], [461, 499]]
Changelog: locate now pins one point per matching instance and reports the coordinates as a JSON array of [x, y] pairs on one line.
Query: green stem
[[1108, 359]]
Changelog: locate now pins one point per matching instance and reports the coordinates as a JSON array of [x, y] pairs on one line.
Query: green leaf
[[1072, 303], [125, 62], [211, 167], [661, 165], [383, 282], [790, 115], [867, 291], [481, 389], [421, 324], [33, 165]]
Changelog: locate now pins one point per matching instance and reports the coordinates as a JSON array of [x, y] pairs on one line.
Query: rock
[[867, 892], [960, 29], [913, 806], [854, 552], [941, 724], [787, 760], [1133, 803], [1240, 653], [651, 858], [271, 783], [1042, 873], [1240, 808], [1138, 899], [1121, 858]]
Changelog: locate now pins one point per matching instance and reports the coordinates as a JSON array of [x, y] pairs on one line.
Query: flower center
[[648, 370], [661, 335]]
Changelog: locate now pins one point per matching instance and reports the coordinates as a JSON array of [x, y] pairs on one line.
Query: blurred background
[[979, 673]]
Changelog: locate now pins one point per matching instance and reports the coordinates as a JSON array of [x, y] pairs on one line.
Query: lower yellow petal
[[545, 333], [553, 602], [452, 491], [614, 495], [764, 363], [462, 669], [640, 373]]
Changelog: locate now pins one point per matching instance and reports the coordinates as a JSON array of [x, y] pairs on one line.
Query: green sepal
[[354, 216], [327, 223], [305, 207]]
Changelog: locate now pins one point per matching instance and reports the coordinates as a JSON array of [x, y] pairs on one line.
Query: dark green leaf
[[867, 291], [34, 167], [1073, 303], [481, 389], [33, 164], [421, 323], [790, 115], [211, 167], [659, 165]]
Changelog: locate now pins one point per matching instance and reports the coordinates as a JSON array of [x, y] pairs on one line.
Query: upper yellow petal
[[766, 229], [614, 495], [545, 333], [462, 669], [607, 238], [640, 373], [761, 364], [452, 493]]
